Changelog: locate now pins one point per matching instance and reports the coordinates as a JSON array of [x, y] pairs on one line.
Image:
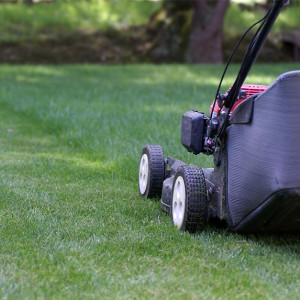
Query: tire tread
[[156, 170], [196, 198]]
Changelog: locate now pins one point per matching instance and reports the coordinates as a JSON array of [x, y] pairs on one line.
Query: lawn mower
[[253, 133]]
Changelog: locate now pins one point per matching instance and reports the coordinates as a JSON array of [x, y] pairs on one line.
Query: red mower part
[[250, 89]]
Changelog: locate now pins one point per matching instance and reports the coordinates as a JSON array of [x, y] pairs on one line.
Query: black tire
[[151, 178], [189, 199]]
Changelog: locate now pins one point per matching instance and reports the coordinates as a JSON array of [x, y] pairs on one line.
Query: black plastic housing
[[193, 129]]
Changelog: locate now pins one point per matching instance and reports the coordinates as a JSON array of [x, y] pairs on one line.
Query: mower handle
[[253, 51], [285, 2]]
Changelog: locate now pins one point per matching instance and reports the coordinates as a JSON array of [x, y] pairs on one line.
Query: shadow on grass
[[279, 241]]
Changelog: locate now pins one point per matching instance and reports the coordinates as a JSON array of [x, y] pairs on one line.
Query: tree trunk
[[189, 30], [205, 43], [169, 29]]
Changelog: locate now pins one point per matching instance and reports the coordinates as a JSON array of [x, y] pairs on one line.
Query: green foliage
[[20, 21], [238, 20], [289, 19], [72, 222]]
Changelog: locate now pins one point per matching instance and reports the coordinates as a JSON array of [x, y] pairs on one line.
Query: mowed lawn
[[72, 222]]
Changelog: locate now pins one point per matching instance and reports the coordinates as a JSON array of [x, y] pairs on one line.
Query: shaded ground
[[124, 46], [99, 47]]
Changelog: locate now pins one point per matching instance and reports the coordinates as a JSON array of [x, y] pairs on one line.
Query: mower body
[[255, 184], [253, 133]]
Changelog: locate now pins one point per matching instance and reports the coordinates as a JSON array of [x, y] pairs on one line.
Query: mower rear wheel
[[189, 199], [151, 171]]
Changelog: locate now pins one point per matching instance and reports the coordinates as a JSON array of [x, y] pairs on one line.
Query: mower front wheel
[[151, 171], [189, 199]]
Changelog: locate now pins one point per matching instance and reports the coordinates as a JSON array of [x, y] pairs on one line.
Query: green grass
[[72, 222]]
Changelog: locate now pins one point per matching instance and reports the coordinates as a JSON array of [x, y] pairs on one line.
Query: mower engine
[[198, 130], [247, 90]]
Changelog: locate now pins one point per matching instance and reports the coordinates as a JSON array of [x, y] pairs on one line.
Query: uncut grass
[[72, 222]]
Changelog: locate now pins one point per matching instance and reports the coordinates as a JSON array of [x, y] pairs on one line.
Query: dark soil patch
[[272, 51], [130, 45], [124, 46]]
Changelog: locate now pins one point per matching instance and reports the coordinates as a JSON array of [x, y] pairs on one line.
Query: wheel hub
[[178, 203], [143, 173]]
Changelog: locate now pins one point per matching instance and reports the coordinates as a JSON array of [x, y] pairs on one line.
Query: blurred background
[[138, 31]]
